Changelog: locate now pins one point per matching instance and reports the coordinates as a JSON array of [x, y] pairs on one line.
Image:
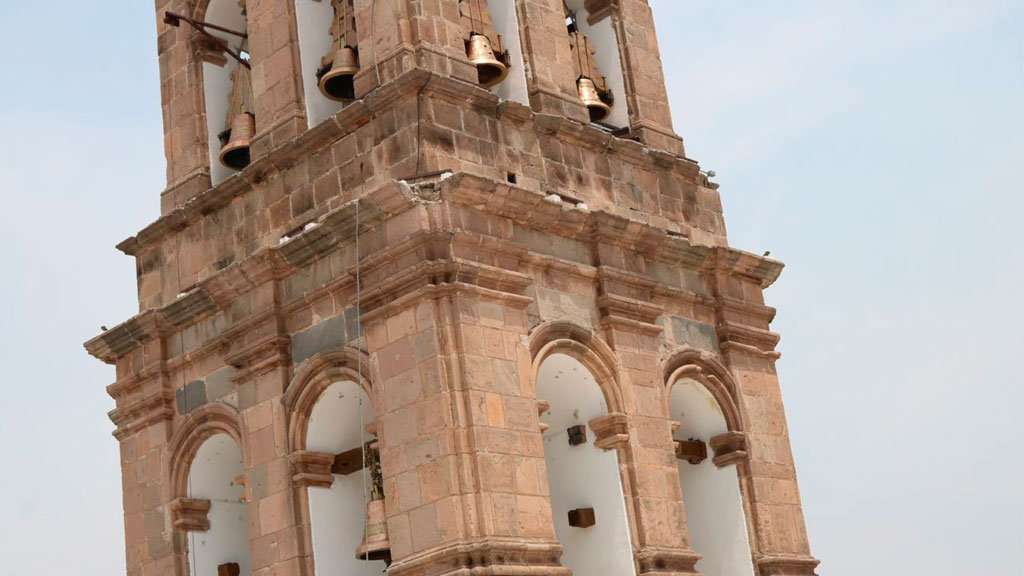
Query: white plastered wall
[[714, 507], [338, 514], [506, 23], [212, 477], [314, 19], [217, 83], [609, 62], [582, 476]]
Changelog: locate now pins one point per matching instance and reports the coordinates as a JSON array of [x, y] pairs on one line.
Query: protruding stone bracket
[[542, 407], [667, 561], [611, 431], [190, 515], [598, 10], [786, 565], [312, 469], [729, 448]]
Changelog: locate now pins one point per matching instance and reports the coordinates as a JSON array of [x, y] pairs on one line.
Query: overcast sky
[[878, 151]]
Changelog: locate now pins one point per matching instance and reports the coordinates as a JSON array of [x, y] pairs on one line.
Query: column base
[[786, 565], [488, 557]]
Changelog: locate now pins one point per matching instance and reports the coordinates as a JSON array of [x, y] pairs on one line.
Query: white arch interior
[[609, 61], [314, 19], [582, 476], [714, 506], [217, 79], [506, 23], [338, 514], [217, 464]]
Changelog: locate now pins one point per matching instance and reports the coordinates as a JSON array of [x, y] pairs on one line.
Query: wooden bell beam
[[174, 19], [348, 462]]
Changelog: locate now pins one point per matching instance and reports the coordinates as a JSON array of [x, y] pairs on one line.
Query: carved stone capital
[[190, 515], [611, 430], [312, 469], [730, 448]]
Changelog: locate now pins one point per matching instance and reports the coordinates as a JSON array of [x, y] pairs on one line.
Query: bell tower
[[435, 290]]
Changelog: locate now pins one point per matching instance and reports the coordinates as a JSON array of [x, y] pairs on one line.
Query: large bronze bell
[[338, 82], [235, 154], [376, 544], [490, 70], [591, 98]]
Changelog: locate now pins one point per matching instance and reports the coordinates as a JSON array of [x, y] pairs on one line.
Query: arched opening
[[491, 31], [338, 514], [221, 73], [715, 518], [598, 38], [581, 476], [318, 24], [215, 475]]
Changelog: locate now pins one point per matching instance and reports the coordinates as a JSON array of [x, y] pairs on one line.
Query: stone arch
[[194, 430], [709, 372], [217, 71], [319, 372], [700, 396], [577, 389], [562, 337], [320, 408]]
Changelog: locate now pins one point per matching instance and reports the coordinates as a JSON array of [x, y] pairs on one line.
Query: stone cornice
[[527, 208], [384, 98]]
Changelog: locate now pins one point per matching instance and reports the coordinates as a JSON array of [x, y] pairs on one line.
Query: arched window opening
[[715, 517], [587, 501], [216, 475], [328, 54], [338, 514], [596, 58], [491, 32], [227, 90]]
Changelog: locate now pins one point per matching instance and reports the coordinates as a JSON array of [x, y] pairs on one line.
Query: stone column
[[779, 540], [551, 80], [181, 92], [628, 320], [649, 114], [276, 74]]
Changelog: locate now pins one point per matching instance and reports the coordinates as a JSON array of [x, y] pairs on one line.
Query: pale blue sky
[[875, 147]]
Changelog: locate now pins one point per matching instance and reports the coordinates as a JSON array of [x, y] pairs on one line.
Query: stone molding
[[522, 206], [653, 560], [190, 515], [785, 565], [567, 338], [486, 557], [730, 448], [708, 371], [611, 431], [383, 99], [191, 432], [312, 469]]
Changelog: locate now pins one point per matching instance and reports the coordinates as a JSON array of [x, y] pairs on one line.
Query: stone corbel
[[598, 10], [542, 407], [190, 515], [730, 448], [312, 469], [611, 430]]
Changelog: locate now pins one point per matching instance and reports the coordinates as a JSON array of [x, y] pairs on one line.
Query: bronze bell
[[490, 70], [338, 82], [376, 544], [235, 154], [592, 99]]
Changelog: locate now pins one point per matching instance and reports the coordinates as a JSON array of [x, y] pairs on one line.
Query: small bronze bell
[[490, 70], [376, 544], [592, 99], [337, 83], [235, 154]]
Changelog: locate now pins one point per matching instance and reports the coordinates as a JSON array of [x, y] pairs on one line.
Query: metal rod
[[175, 20]]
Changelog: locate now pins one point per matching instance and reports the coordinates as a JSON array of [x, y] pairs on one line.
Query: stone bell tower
[[436, 291]]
